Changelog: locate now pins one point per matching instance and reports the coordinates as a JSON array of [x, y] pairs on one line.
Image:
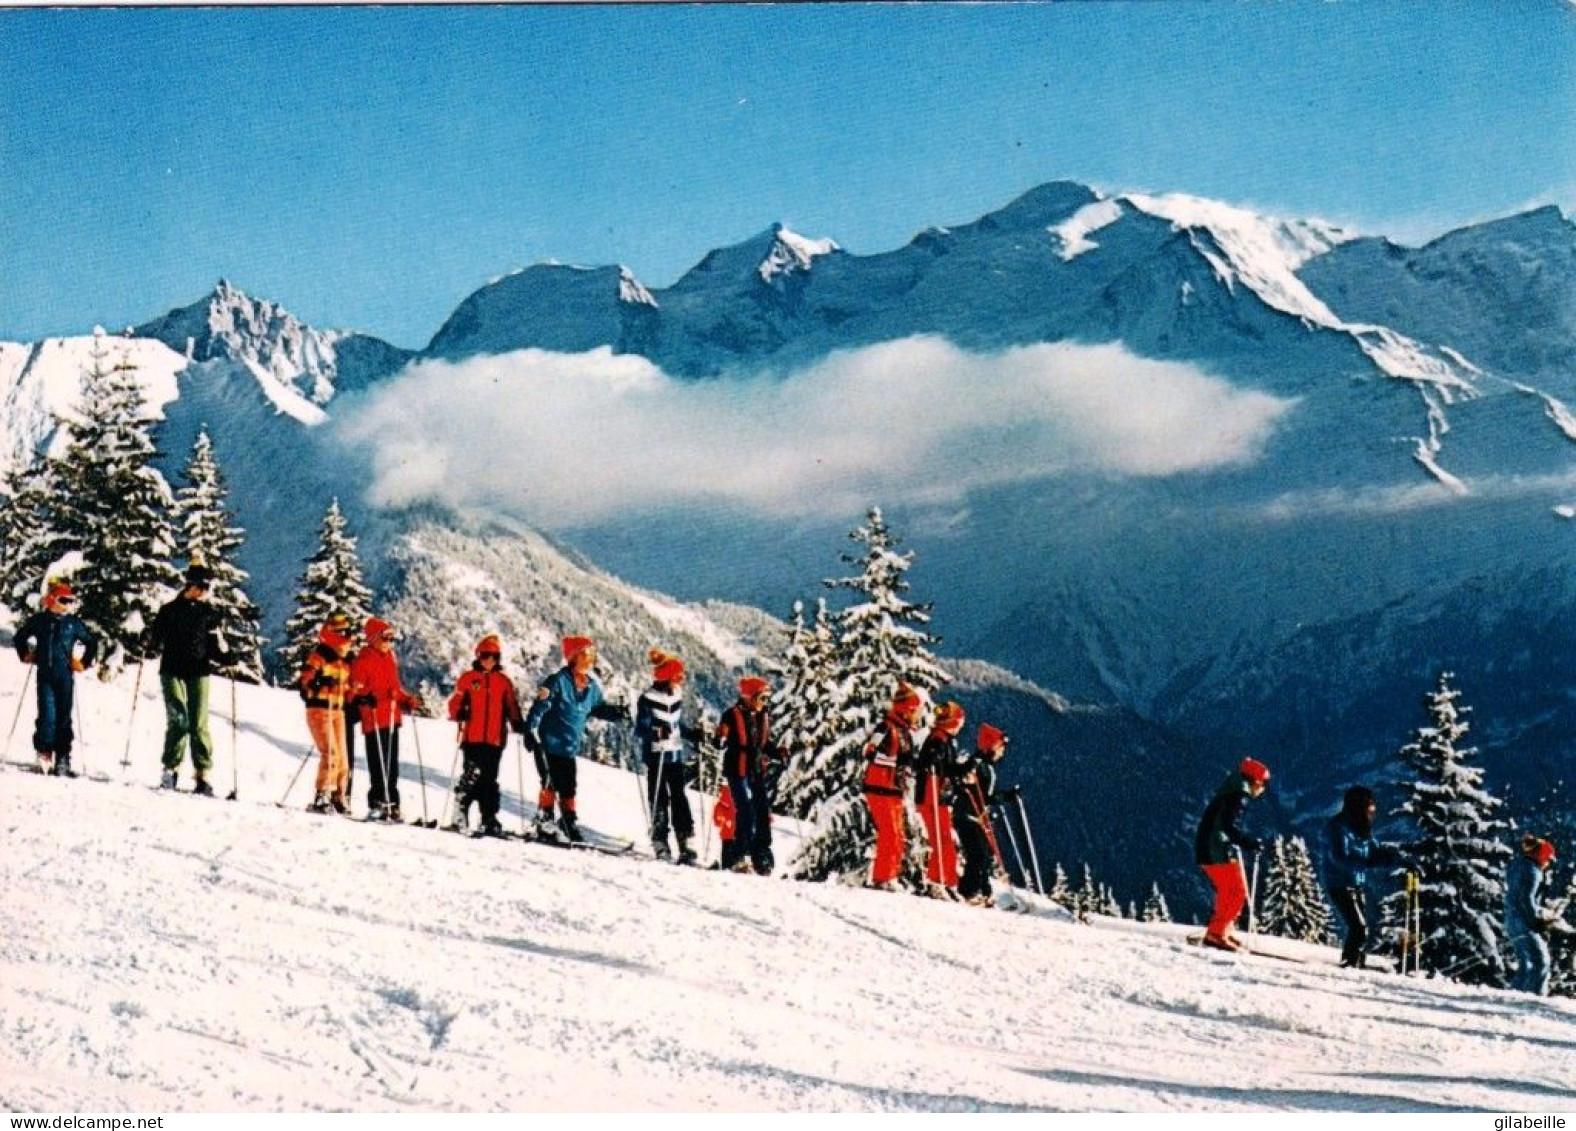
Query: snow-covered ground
[[161, 952]]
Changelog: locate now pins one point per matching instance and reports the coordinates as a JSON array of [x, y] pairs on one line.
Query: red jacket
[[485, 705], [375, 676], [891, 756]]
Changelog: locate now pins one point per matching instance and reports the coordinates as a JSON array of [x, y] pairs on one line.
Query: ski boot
[[569, 825], [63, 767], [659, 849], [45, 762], [201, 788], [490, 827], [544, 828], [319, 803], [167, 780], [687, 852], [376, 812], [391, 814], [336, 802]]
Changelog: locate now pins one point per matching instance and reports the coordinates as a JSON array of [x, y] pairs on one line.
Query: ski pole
[[982, 815], [297, 777], [705, 824], [76, 701], [426, 821], [519, 765], [1012, 841], [235, 743], [131, 718], [454, 783], [17, 718], [1253, 896], [1417, 924], [1028, 836], [1408, 936]]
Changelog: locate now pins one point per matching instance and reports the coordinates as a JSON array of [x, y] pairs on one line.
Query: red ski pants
[[942, 866], [887, 813], [1231, 893]]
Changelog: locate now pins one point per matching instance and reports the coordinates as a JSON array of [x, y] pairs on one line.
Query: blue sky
[[368, 168]]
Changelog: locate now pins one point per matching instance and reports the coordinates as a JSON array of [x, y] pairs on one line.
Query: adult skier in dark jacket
[[185, 637], [748, 750], [1349, 851], [973, 794], [555, 730], [1527, 920], [1216, 848], [48, 640]]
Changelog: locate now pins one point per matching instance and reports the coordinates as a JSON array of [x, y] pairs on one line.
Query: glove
[[693, 734], [659, 731], [27, 657], [77, 665], [532, 742]]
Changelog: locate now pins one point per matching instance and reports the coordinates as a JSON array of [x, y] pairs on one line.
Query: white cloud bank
[[561, 439]]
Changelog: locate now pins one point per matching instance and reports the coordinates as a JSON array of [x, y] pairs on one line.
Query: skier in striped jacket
[[661, 732]]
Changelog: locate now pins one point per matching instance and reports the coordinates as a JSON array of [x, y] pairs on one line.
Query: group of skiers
[[951, 789], [1350, 851]]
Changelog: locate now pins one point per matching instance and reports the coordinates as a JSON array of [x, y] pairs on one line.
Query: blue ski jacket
[[557, 721], [1523, 897], [49, 640], [1348, 854]]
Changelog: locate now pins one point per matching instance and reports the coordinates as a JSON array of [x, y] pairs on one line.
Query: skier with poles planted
[[485, 705], [48, 640], [748, 750], [973, 796], [889, 758], [1527, 920], [555, 731], [933, 797], [1349, 851], [660, 729], [323, 683], [382, 701], [185, 637], [1217, 849]]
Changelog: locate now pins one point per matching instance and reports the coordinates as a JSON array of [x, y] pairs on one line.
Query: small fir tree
[[1294, 905], [1061, 892], [1155, 908], [331, 583], [114, 506], [1459, 846], [211, 539], [799, 719]]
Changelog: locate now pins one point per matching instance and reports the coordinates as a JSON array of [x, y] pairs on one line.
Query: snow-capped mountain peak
[[792, 253], [632, 290]]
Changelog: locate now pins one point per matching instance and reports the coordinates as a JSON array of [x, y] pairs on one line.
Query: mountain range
[[1409, 510]]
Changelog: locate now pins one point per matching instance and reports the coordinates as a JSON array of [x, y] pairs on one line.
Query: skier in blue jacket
[[1527, 921], [555, 731], [1349, 851], [48, 640]]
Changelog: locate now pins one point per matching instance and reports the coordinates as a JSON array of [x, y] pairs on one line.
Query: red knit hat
[[1254, 771], [59, 592], [489, 645], [332, 637], [665, 668], [991, 738], [1543, 852], [949, 717], [375, 630], [574, 645], [752, 686]]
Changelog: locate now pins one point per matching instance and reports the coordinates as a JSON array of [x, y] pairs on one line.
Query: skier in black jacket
[[185, 635], [975, 775], [48, 640]]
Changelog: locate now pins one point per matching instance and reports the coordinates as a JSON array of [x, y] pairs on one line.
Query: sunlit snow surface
[[163, 952]]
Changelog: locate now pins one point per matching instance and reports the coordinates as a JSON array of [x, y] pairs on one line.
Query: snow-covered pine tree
[[205, 525], [804, 677], [1107, 904], [1459, 845], [881, 642], [331, 583], [1086, 897], [1061, 891], [30, 539], [1155, 909], [114, 506], [1294, 905]]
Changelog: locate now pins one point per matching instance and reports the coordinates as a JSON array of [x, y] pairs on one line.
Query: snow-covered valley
[[164, 952]]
